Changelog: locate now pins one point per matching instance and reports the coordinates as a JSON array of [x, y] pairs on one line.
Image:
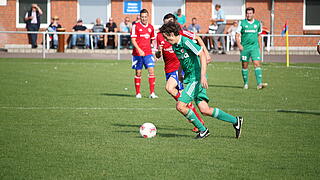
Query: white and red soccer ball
[[148, 130]]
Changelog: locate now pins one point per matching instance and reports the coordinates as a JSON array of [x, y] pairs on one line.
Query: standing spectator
[[32, 19], [125, 27], [212, 30], [54, 25], [112, 40], [265, 31], [137, 20], [79, 27], [181, 19], [221, 22], [232, 31], [194, 27], [98, 27]]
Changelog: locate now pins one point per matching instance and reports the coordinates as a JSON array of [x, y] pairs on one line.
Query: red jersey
[[143, 35], [171, 62]]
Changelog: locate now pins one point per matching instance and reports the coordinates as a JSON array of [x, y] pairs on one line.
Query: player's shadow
[[159, 128], [299, 112], [225, 86], [159, 134], [118, 95]]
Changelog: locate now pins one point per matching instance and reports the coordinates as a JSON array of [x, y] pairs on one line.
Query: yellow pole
[[287, 47]]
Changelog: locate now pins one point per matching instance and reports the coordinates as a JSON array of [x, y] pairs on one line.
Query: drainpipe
[[272, 20]]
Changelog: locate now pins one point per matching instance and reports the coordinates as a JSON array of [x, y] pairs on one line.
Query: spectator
[[32, 19], [98, 27], [265, 31], [112, 40], [212, 30], [221, 22], [54, 25], [181, 19], [125, 27], [232, 31], [194, 27], [79, 27], [137, 20]]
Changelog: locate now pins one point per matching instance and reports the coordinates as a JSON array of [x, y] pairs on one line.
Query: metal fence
[[227, 36]]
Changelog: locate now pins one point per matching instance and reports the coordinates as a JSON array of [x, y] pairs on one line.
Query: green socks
[[194, 120], [258, 73], [219, 114], [245, 76]]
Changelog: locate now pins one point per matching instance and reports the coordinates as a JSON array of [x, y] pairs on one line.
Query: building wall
[[291, 10]]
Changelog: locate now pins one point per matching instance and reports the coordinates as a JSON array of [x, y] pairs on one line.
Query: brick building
[[300, 14]]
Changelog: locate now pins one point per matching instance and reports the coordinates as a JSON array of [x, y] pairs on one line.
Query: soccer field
[[75, 119]]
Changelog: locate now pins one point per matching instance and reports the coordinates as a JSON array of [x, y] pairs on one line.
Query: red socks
[[137, 82], [152, 82], [191, 106]]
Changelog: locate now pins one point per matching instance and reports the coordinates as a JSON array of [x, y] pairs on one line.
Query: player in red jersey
[[141, 36], [172, 66]]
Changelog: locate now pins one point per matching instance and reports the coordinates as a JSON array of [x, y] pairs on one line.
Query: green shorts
[[193, 91], [254, 54]]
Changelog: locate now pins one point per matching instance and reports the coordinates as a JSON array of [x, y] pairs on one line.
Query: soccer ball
[[148, 130]]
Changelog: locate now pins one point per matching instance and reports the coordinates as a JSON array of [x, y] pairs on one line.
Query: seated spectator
[[98, 27], [232, 31], [54, 25], [137, 20], [112, 40], [125, 27], [79, 27], [181, 19], [194, 27], [213, 27]]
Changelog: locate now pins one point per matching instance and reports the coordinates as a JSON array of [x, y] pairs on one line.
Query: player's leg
[[245, 74], [221, 115], [255, 55], [149, 63], [137, 66], [187, 97]]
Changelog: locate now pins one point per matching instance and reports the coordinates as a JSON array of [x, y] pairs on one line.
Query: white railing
[[45, 33]]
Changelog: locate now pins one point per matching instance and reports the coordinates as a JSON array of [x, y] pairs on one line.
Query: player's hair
[[250, 9], [168, 16], [170, 27], [144, 11], [218, 6]]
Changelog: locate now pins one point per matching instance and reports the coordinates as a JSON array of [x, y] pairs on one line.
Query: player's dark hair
[[144, 11], [250, 9], [170, 27], [168, 16]]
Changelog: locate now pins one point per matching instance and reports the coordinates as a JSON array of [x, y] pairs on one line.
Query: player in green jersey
[[193, 62], [249, 46]]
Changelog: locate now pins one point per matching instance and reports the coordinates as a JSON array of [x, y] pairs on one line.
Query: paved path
[[217, 58]]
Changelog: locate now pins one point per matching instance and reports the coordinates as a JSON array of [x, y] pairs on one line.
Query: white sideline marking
[[149, 109]]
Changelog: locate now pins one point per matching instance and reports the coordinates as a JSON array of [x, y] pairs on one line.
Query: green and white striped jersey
[[249, 33], [188, 53]]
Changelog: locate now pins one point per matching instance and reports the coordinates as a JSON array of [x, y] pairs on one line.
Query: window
[[89, 11], [22, 6], [163, 7], [3, 2], [311, 20], [233, 9]]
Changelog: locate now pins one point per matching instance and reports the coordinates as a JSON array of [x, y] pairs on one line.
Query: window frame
[[231, 17], [42, 25], [308, 27], [90, 26], [156, 26]]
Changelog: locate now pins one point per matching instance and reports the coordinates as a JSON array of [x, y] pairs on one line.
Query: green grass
[[73, 119]]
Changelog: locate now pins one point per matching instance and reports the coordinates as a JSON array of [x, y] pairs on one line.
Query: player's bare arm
[[201, 43], [239, 42], [135, 44], [203, 62]]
